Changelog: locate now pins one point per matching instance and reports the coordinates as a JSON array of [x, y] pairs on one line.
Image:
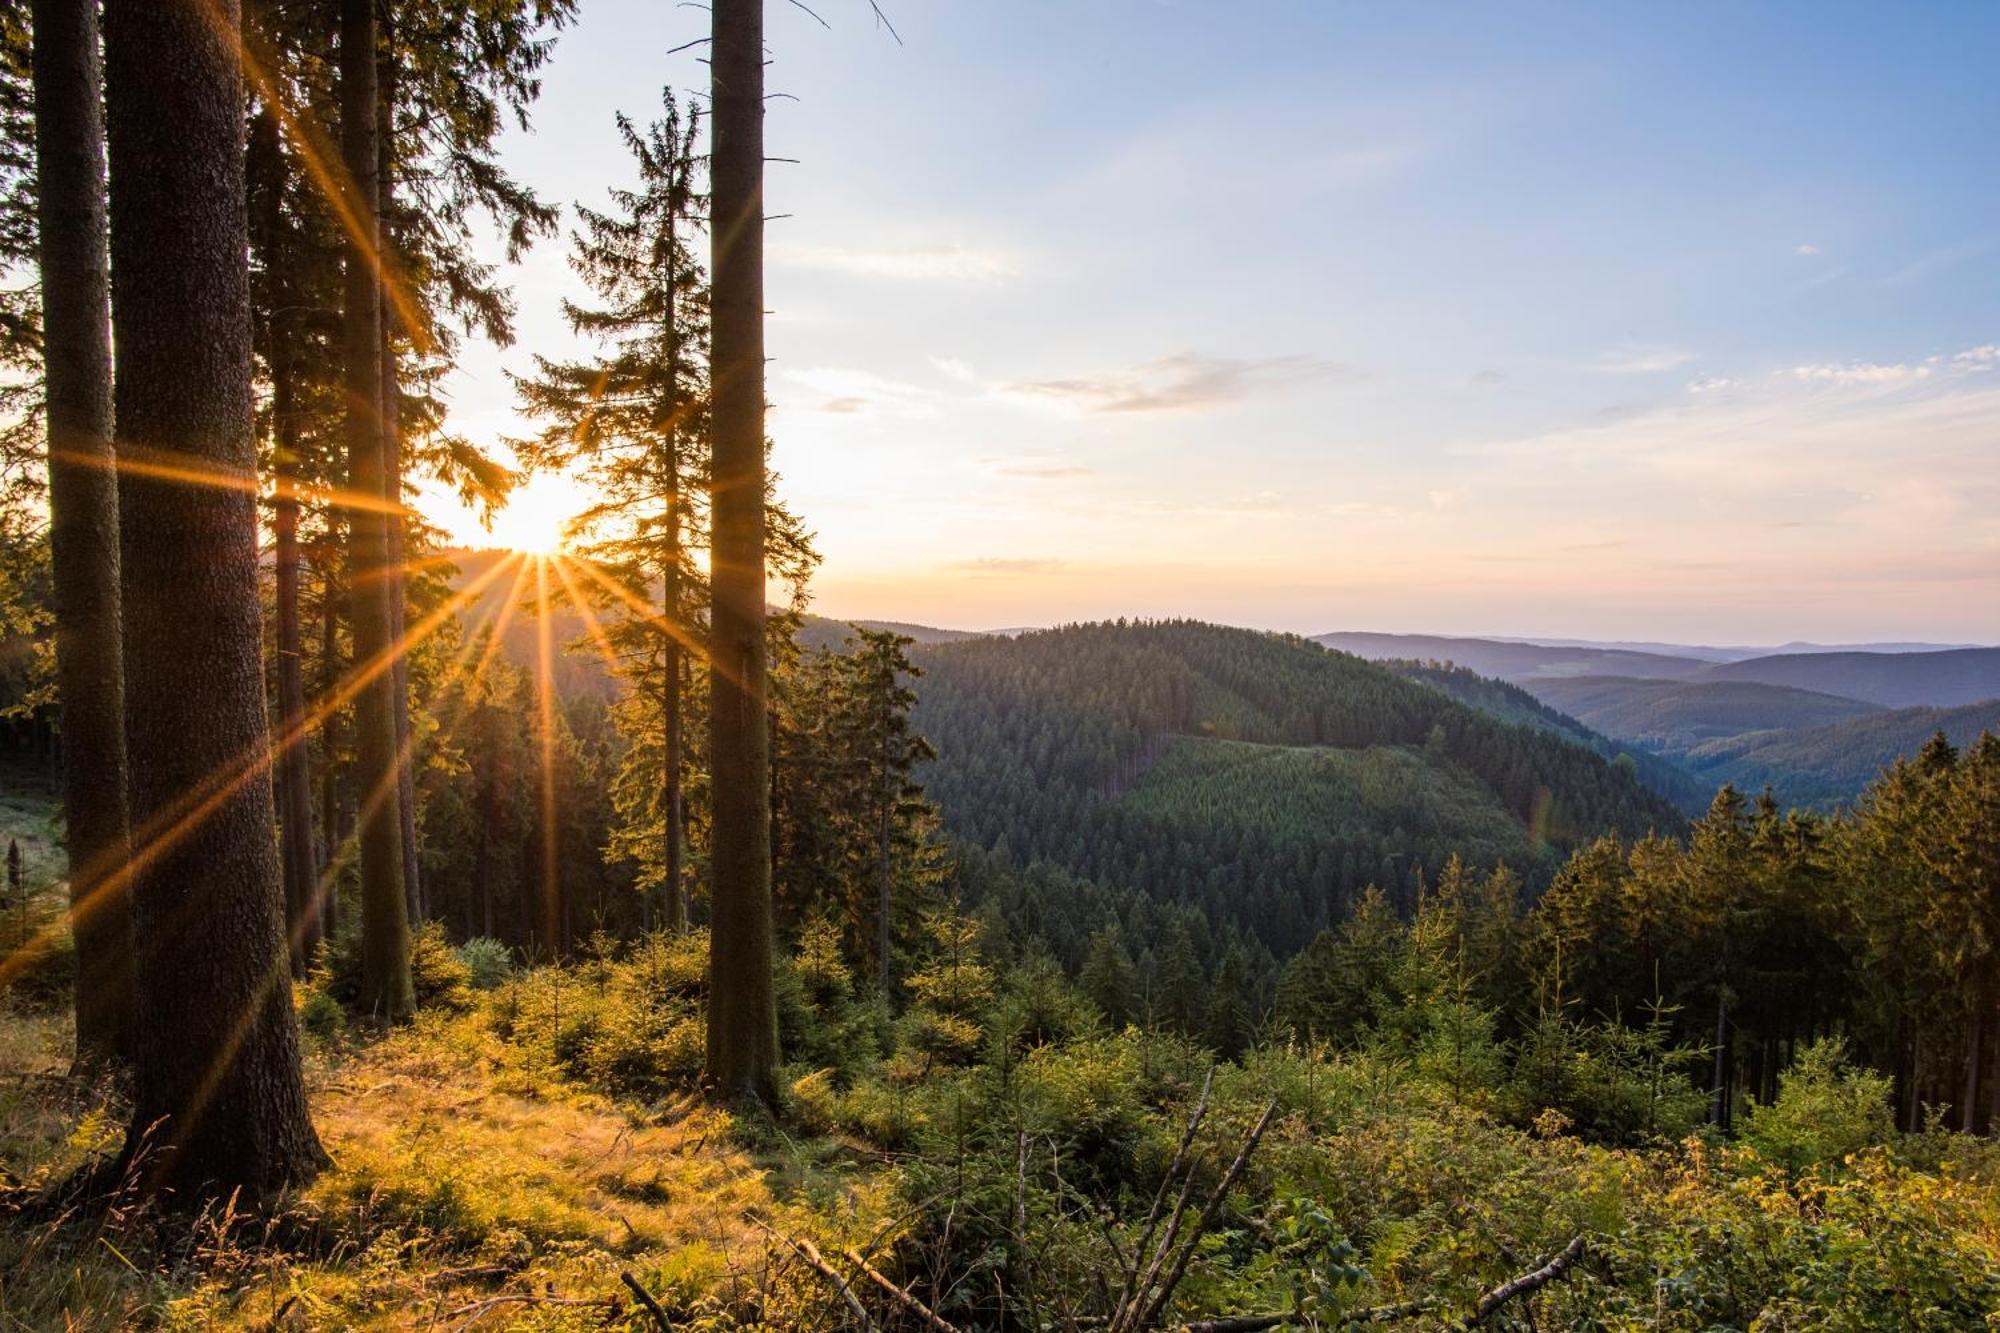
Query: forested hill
[[1511, 703], [1259, 776]]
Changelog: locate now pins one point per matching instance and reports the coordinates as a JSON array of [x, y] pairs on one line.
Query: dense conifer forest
[[586, 935]]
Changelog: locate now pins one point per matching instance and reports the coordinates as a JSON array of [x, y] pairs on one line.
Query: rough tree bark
[[266, 167], [217, 1100], [392, 486], [742, 1011], [385, 923], [83, 512]]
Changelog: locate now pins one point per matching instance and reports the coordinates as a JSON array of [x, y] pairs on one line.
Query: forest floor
[[465, 1192]]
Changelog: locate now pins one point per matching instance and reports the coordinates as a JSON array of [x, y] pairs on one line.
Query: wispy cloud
[[1808, 250], [1643, 359], [844, 392], [1862, 372], [1712, 384], [1183, 383], [915, 263]]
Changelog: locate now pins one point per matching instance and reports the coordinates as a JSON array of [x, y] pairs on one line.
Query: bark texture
[[83, 511], [742, 1011], [385, 924], [218, 1101], [267, 168]]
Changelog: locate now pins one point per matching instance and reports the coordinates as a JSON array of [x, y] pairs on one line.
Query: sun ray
[[591, 623], [546, 698], [160, 465], [492, 633], [652, 615], [323, 166], [175, 822]]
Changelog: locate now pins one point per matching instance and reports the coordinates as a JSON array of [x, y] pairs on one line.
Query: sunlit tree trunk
[[266, 168], [392, 489], [217, 1097], [742, 1014], [83, 512], [670, 595], [385, 924]]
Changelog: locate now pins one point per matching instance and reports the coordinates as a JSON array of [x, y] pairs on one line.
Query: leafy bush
[[488, 962], [1825, 1111], [438, 975]]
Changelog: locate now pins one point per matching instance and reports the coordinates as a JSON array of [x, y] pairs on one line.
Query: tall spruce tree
[[83, 512], [217, 1095], [742, 1011], [633, 422], [386, 990]]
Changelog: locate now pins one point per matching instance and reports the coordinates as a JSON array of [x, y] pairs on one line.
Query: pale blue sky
[[1669, 321]]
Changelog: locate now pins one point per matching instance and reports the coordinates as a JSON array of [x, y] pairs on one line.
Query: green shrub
[[1826, 1110], [488, 962], [437, 974]]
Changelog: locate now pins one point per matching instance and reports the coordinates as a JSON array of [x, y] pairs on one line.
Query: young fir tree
[[633, 422], [884, 753]]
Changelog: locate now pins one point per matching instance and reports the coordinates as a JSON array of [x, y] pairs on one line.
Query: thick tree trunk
[[385, 923], [392, 479], [217, 1098], [742, 1011], [83, 512], [266, 168]]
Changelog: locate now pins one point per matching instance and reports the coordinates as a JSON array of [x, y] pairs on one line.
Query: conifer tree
[[742, 1048], [386, 990], [633, 422], [217, 1089], [83, 512]]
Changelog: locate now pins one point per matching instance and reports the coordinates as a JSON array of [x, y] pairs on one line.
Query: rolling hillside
[[1893, 680], [1514, 661], [1829, 765], [1258, 776], [1676, 716], [1519, 707]]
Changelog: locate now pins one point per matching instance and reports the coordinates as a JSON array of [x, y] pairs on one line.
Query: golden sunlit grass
[[461, 1181]]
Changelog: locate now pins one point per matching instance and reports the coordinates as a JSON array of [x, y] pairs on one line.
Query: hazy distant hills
[[1515, 661], [1894, 680], [821, 632], [1816, 726]]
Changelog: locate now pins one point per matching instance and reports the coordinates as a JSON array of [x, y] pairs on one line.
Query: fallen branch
[[1257, 1323], [473, 1312], [899, 1295], [1149, 1312], [808, 1252], [646, 1299], [1525, 1283]]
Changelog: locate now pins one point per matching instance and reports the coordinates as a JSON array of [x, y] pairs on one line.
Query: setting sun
[[536, 518]]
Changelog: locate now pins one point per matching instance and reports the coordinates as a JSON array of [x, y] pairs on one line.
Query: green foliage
[[488, 962], [1826, 1110], [440, 977], [1260, 779]]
